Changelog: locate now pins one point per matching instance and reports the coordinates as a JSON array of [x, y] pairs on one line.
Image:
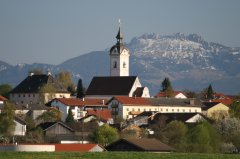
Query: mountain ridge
[[188, 60]]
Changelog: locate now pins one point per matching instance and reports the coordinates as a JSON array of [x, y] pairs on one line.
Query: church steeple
[[119, 36], [119, 56]]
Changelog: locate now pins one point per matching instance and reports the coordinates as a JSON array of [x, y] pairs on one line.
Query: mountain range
[[188, 60]]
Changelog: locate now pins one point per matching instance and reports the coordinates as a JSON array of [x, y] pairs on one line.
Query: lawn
[[113, 155]]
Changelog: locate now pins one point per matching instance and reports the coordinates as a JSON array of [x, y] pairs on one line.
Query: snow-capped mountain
[[188, 60]]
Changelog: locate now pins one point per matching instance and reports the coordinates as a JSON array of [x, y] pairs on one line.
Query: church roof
[[120, 47], [114, 85], [33, 83]]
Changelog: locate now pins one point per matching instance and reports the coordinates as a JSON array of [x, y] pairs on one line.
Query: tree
[[210, 92], [167, 87], [46, 93], [203, 138], [5, 89], [65, 79], [235, 109], [105, 135], [70, 118], [80, 89], [7, 124], [51, 115], [177, 139]]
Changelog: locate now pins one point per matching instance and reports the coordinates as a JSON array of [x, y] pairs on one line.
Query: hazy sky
[[52, 31]]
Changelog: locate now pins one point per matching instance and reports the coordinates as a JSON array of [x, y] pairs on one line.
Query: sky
[[53, 31]]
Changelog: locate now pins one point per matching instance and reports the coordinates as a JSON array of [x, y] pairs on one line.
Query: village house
[[2, 100], [20, 127], [176, 94], [129, 107], [78, 106], [102, 116], [215, 110], [62, 132], [140, 144], [119, 83], [29, 90]]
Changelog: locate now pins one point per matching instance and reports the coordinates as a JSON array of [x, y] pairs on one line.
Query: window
[[132, 109], [127, 109], [166, 110], [124, 64], [144, 109], [139, 109], [24, 95], [29, 95], [189, 110], [150, 110], [115, 64], [195, 110], [178, 110], [155, 109], [183, 110], [172, 110], [127, 116], [19, 95]]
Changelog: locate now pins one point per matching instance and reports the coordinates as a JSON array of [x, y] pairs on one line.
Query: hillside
[[188, 60]]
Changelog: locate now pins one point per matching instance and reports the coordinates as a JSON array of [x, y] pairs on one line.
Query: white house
[[128, 107], [20, 127], [78, 106]]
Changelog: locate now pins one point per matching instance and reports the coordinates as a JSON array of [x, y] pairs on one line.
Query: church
[[119, 83]]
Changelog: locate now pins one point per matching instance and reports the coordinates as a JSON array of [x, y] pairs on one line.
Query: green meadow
[[113, 155]]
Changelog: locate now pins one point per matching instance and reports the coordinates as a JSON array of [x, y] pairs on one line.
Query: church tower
[[119, 57]]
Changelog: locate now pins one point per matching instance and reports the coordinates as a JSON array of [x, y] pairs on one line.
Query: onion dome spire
[[119, 36]]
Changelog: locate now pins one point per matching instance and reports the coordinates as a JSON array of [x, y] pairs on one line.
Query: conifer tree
[[210, 92], [167, 87], [80, 89], [70, 118]]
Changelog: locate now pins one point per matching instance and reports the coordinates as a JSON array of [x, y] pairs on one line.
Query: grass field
[[112, 155]]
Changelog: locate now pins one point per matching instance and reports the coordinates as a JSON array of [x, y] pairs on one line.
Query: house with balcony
[[78, 106]]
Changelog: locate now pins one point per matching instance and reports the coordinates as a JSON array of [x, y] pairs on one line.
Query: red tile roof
[[163, 94], [132, 100], [227, 102], [220, 97], [74, 147], [102, 114], [80, 102], [3, 98]]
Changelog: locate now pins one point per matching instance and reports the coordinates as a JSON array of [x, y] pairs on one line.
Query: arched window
[[124, 64], [115, 64]]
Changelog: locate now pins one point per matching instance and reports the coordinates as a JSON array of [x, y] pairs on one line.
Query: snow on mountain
[[188, 60]]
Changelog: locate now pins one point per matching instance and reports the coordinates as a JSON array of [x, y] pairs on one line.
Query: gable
[[118, 85]]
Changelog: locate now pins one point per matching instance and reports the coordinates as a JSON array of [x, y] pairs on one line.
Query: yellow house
[[215, 110]]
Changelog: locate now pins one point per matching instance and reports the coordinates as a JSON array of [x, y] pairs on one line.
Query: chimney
[[103, 103], [83, 99], [49, 73], [192, 101], [31, 73]]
